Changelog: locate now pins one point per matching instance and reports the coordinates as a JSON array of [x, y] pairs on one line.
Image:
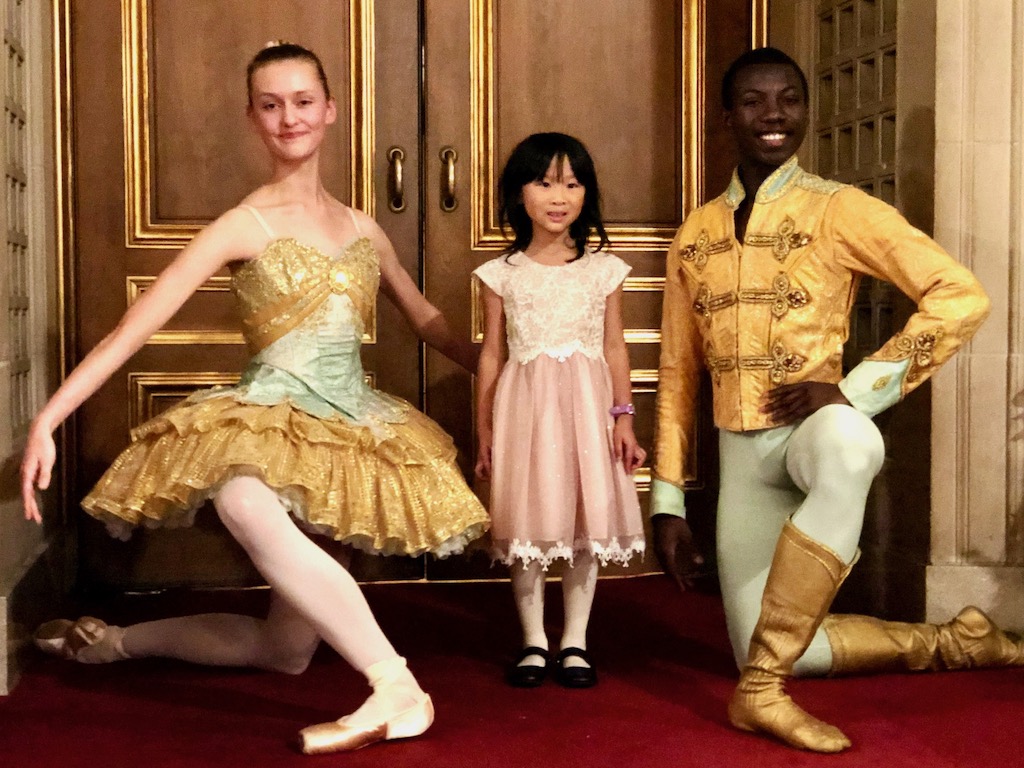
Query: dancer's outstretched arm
[[225, 240], [424, 318]]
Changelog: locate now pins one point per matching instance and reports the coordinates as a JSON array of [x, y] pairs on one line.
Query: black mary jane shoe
[[574, 677], [527, 675]]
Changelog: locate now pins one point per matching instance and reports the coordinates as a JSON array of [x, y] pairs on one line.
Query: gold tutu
[[402, 494]]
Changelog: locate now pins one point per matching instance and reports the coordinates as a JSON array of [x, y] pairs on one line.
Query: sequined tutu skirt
[[397, 494]]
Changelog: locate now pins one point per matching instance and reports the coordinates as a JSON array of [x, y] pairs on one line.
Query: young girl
[[555, 427], [302, 433]]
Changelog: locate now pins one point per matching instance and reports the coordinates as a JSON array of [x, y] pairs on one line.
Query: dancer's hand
[[792, 402], [676, 552], [36, 468], [485, 439], [627, 449]]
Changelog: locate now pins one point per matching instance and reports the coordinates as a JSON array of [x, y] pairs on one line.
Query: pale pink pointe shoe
[[88, 640], [339, 736]]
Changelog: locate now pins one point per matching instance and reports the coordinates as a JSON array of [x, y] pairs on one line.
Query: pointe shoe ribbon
[[339, 736], [88, 640]]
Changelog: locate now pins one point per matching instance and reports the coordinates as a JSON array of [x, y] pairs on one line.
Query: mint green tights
[[818, 473]]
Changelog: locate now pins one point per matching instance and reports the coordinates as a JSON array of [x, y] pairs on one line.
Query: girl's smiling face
[[290, 109], [555, 201]]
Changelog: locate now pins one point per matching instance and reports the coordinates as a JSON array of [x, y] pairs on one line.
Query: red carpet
[[666, 676]]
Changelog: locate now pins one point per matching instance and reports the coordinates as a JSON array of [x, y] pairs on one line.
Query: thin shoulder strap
[[259, 217], [355, 221]]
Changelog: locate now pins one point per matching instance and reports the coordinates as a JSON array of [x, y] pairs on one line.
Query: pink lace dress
[[556, 487]]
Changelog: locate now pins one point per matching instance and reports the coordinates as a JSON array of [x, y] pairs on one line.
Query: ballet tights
[[817, 473], [314, 590], [283, 642], [578, 586]]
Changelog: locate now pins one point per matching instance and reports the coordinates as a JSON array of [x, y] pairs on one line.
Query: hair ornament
[[274, 44]]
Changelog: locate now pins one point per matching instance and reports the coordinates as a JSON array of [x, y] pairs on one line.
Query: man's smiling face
[[768, 117]]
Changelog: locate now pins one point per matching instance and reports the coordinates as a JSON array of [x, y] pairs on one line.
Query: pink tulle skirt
[[556, 487]]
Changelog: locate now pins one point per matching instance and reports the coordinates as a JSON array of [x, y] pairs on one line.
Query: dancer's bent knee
[[835, 445], [244, 502], [286, 659]]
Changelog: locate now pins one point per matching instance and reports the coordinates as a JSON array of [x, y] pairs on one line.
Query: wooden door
[[159, 145], [637, 82]]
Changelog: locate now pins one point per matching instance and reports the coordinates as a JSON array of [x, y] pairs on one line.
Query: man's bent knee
[[840, 438]]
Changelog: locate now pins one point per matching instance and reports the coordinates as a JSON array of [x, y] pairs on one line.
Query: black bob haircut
[[529, 162], [752, 59]]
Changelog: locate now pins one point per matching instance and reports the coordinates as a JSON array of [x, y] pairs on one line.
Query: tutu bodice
[[305, 316]]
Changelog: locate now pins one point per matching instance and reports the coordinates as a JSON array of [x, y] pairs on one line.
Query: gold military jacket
[[775, 309]]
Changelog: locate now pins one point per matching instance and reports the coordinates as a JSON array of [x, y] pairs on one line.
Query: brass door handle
[[396, 188], [449, 202]]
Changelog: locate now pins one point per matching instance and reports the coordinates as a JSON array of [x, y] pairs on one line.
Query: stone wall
[[29, 331], [977, 541]]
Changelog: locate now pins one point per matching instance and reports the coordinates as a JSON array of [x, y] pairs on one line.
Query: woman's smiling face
[[290, 109]]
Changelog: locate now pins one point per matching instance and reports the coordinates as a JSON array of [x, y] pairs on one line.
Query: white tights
[[578, 586], [283, 642], [818, 473], [313, 597]]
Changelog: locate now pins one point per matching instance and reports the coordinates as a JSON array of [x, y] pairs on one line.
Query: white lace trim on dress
[[612, 551]]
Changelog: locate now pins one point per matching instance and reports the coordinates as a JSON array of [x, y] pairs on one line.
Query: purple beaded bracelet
[[622, 410]]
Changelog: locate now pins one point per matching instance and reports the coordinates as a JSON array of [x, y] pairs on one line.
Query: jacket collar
[[774, 187]]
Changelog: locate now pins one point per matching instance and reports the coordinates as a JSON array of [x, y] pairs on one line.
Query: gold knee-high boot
[[969, 641], [803, 579]]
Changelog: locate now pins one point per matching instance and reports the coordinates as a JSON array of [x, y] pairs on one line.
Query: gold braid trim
[[697, 253], [783, 242], [920, 349]]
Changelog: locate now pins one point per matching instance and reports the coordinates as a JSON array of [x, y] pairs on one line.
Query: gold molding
[[193, 337], [643, 335], [644, 381], [141, 231], [694, 56], [758, 23], [64, 209], [643, 285], [642, 480], [146, 388], [362, 94], [136, 284], [486, 234], [476, 315]]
